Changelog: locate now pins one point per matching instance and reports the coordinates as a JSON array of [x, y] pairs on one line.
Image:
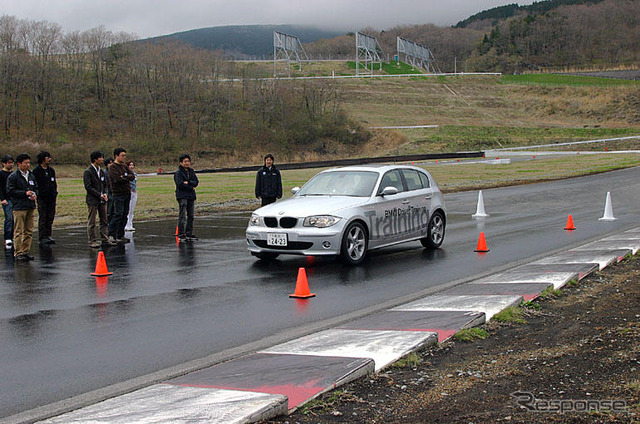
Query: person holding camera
[[95, 183]]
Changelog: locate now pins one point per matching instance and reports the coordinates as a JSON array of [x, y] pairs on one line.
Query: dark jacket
[[4, 175], [268, 183], [17, 188], [94, 185], [120, 177], [47, 183], [185, 191]]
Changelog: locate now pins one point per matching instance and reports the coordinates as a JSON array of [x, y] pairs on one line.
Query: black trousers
[[119, 216], [185, 216], [46, 213], [268, 200]]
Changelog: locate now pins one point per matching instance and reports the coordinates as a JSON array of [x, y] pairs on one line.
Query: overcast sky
[[147, 18]]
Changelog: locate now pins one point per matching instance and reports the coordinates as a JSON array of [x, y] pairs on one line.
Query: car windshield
[[341, 183]]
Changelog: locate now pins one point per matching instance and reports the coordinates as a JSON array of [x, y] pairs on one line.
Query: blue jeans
[[8, 220]]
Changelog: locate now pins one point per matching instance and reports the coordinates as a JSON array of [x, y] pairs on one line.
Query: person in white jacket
[[134, 197]]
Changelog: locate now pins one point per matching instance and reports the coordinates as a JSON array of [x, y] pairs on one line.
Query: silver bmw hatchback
[[348, 211]]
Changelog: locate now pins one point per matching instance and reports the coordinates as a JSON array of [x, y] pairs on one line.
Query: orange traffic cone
[[302, 286], [570, 226], [482, 244], [101, 266]]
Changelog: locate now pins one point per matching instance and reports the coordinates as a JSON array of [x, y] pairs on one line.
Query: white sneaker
[[129, 229], [8, 244]]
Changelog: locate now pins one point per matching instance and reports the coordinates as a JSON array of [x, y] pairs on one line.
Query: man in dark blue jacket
[[268, 182], [186, 182], [47, 194], [22, 189]]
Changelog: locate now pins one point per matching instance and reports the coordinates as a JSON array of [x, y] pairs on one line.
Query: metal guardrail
[[346, 162]]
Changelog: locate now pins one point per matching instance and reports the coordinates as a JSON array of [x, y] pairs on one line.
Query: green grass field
[[224, 192], [568, 80]]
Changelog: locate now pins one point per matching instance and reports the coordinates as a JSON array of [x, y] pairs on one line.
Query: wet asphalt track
[[62, 334]]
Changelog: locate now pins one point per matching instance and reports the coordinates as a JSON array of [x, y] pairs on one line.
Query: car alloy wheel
[[435, 232], [354, 244]]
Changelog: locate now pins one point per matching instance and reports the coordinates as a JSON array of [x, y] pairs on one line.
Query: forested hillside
[[554, 34], [493, 16], [75, 92]]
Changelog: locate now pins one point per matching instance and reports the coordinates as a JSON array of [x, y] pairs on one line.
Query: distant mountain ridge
[[245, 40]]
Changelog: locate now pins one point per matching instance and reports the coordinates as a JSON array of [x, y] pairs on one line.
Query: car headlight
[[320, 221], [255, 219]]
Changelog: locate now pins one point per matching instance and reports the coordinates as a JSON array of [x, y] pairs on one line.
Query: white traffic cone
[[608, 210], [480, 213]]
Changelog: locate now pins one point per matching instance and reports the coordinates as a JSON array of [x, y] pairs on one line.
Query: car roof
[[379, 168]]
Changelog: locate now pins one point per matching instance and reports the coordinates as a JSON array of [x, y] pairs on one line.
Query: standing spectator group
[[111, 196]]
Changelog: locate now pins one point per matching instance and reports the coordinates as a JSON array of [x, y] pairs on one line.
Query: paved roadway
[[63, 334]]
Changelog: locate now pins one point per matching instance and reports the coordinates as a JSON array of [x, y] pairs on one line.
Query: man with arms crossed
[[186, 183], [120, 178]]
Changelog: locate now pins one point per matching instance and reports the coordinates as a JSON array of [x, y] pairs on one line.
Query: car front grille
[[292, 245], [285, 222], [270, 221]]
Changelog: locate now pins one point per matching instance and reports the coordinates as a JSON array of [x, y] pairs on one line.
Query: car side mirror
[[388, 191], [295, 190]]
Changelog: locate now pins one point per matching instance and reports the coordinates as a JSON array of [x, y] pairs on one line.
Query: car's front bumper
[[300, 240]]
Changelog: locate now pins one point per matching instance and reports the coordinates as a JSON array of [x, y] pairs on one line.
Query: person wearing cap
[[7, 208], [47, 192], [268, 181]]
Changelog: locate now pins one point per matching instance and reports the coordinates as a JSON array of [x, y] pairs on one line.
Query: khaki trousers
[[96, 231], [23, 221]]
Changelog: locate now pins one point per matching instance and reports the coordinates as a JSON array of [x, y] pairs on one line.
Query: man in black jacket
[[120, 177], [186, 183], [22, 189], [95, 183], [268, 182], [47, 192]]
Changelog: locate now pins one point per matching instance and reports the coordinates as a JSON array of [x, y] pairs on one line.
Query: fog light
[[326, 244]]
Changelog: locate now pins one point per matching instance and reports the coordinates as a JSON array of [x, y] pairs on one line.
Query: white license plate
[[275, 239]]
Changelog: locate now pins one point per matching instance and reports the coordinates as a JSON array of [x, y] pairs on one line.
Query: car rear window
[[413, 179]]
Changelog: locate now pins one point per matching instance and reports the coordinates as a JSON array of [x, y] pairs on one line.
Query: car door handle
[[405, 202], [428, 196]]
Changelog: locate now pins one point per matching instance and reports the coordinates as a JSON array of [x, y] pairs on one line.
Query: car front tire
[[435, 232], [354, 244]]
